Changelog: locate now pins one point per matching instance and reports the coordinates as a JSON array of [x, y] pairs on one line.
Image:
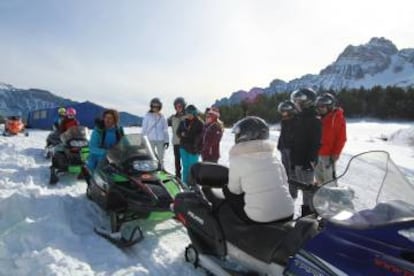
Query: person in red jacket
[[212, 133], [333, 137], [69, 120]]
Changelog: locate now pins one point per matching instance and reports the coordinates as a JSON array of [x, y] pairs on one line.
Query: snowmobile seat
[[207, 174], [259, 240], [305, 229]]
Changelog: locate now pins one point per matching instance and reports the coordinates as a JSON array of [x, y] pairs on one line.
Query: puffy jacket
[[102, 140], [174, 121], [307, 131], [255, 171], [67, 123], [212, 134], [333, 133], [155, 127], [190, 133]]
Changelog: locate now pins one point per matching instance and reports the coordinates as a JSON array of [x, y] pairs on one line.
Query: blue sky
[[123, 53]]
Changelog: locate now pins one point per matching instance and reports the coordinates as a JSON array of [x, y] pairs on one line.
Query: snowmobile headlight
[[145, 165], [78, 143]]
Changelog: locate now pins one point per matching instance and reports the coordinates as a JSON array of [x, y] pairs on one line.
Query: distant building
[[87, 112]]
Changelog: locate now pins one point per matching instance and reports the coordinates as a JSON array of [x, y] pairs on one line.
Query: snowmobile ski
[[118, 238]]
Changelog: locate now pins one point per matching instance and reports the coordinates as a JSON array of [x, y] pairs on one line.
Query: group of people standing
[[313, 134], [192, 137]]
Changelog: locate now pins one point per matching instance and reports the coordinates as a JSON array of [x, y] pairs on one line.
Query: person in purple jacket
[[212, 133]]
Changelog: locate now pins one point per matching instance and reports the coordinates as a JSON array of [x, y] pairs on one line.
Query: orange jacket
[[333, 133]]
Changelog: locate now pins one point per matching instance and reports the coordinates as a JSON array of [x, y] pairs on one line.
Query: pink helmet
[[70, 111]]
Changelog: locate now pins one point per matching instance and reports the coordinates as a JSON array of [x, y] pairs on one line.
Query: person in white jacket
[[258, 190], [155, 127]]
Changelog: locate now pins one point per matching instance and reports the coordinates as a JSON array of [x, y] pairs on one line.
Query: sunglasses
[[156, 106]]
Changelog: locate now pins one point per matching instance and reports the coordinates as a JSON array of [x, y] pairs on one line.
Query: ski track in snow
[[48, 230]]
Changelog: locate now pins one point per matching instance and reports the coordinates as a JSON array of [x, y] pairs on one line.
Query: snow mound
[[403, 136]]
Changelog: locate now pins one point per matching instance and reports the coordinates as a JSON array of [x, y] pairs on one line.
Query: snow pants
[[187, 159], [285, 153], [158, 148], [308, 177], [325, 169]]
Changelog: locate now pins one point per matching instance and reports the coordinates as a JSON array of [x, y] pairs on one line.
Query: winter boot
[[53, 176]]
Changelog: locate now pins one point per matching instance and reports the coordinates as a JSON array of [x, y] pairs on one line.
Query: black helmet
[[191, 109], [304, 97], [156, 102], [326, 99], [250, 128], [180, 100], [288, 107]]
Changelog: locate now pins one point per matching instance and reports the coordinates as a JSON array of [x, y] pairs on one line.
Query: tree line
[[386, 103]]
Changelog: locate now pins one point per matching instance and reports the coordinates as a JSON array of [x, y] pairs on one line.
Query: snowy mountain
[[377, 63], [21, 101]]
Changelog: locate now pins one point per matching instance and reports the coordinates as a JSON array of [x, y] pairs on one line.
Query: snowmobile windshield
[[76, 136], [371, 192], [133, 153]]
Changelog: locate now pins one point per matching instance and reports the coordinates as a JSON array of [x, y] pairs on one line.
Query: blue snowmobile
[[364, 226]]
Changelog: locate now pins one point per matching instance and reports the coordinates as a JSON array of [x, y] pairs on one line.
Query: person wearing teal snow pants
[[187, 159], [190, 133]]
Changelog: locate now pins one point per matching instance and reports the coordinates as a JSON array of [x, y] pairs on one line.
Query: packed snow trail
[[48, 230]]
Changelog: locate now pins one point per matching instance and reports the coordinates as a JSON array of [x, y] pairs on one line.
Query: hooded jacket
[[212, 134], [155, 127], [190, 133], [333, 133], [255, 171]]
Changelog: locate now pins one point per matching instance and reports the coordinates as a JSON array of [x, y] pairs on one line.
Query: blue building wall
[[44, 118]]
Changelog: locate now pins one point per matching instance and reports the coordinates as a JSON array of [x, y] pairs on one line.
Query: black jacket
[[307, 132], [286, 134], [190, 134]]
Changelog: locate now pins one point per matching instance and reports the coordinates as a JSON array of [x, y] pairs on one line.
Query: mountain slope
[[378, 62]]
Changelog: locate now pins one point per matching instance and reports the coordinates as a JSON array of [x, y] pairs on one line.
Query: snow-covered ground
[[48, 230]]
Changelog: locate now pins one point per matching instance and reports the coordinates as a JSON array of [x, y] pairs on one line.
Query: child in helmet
[[306, 142], [212, 133], [61, 116], [155, 127], [257, 189], [69, 120], [333, 136], [174, 121], [190, 133], [287, 110]]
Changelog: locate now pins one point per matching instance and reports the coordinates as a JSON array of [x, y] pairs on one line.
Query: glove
[[310, 166], [166, 145], [334, 157]]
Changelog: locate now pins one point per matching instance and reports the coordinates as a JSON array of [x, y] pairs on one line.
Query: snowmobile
[[131, 185], [14, 125], [364, 225], [52, 140], [70, 155]]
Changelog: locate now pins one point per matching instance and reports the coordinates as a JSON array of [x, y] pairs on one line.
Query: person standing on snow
[[105, 135], [212, 133], [307, 132], [257, 189], [174, 121], [155, 127], [69, 120], [190, 133], [288, 111], [333, 136]]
